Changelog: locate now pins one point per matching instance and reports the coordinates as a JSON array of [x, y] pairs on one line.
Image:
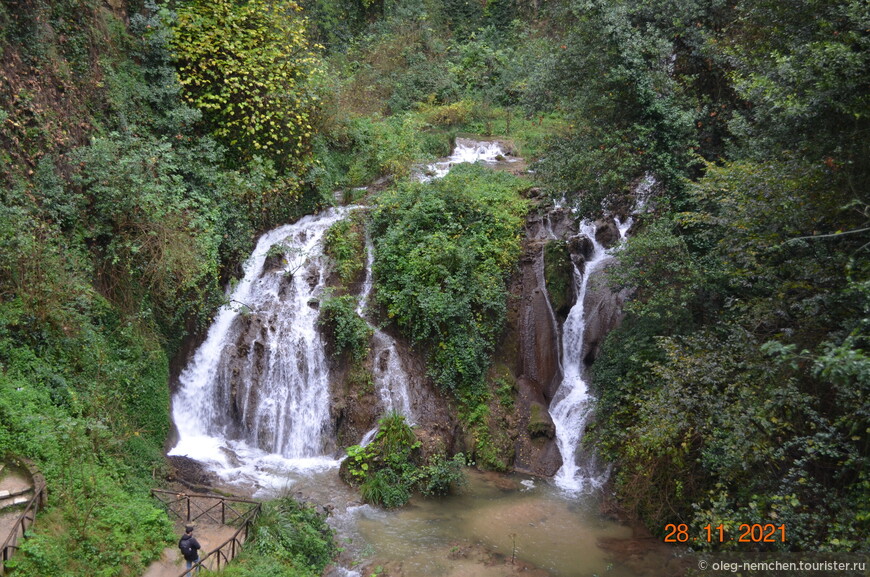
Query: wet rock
[[603, 308], [537, 329], [189, 472], [561, 223], [581, 246], [540, 422], [536, 455], [606, 232], [274, 263]]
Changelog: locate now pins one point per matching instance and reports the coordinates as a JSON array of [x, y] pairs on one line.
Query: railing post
[[223, 512], [188, 507]]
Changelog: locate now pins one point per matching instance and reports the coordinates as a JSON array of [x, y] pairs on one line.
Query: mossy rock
[[559, 276], [540, 422]]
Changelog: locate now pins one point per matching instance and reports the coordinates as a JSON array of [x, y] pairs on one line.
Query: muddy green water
[[498, 526]]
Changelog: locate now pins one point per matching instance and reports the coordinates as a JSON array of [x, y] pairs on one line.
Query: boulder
[[606, 232], [581, 246], [540, 422], [603, 308]]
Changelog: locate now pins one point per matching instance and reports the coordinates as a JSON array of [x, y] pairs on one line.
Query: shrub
[[388, 470], [347, 331], [290, 539], [247, 66], [344, 242], [443, 252]]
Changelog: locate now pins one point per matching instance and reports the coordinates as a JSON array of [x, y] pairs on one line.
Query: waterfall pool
[[548, 532]]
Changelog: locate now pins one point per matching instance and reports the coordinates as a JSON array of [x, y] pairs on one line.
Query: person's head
[[188, 529]]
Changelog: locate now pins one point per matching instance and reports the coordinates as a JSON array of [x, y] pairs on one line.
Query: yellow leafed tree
[[247, 66]]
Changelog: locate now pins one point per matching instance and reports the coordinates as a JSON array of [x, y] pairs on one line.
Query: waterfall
[[467, 151], [571, 405], [388, 373], [253, 403], [258, 385]]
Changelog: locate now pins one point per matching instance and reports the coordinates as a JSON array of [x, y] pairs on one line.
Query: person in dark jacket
[[189, 547]]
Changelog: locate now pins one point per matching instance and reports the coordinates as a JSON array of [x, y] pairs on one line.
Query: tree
[[248, 66]]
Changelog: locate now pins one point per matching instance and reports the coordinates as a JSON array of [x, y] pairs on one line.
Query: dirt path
[[171, 563]]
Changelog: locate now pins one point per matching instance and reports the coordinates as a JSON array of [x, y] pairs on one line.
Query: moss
[[558, 275], [540, 423]]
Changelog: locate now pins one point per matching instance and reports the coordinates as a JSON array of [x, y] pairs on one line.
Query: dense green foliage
[[732, 365], [290, 539], [248, 67], [345, 244], [390, 468], [443, 252], [736, 389], [119, 221], [558, 275], [345, 329]]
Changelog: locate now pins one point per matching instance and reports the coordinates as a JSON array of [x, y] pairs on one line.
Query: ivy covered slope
[[736, 390], [123, 210], [443, 253]]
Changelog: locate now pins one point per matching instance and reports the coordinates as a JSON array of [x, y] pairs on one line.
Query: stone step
[[15, 498], [14, 502], [15, 492]]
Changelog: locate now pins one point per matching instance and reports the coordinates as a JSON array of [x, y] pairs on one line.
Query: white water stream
[[388, 371], [254, 401], [467, 151], [571, 406]]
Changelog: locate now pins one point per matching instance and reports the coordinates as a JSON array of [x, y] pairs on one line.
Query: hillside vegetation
[[145, 145], [124, 210]]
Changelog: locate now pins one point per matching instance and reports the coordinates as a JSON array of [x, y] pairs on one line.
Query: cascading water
[[258, 385], [253, 406], [252, 402], [571, 405], [388, 373], [467, 151]]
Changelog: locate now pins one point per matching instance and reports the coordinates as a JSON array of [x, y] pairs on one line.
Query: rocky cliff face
[[527, 361], [545, 292], [356, 407], [536, 349]]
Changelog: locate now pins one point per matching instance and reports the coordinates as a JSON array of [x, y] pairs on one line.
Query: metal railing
[[224, 553], [190, 508], [24, 522], [223, 510]]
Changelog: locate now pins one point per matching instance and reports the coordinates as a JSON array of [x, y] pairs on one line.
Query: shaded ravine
[[243, 404]]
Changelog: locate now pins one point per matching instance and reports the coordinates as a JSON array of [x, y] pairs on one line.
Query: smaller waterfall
[[467, 151], [388, 373], [571, 405]]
